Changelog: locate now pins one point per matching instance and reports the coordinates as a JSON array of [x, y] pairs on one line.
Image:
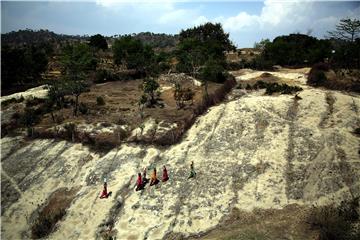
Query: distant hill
[[159, 41], [29, 36]]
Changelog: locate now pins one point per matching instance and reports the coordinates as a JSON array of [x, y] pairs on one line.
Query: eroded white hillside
[[252, 152]]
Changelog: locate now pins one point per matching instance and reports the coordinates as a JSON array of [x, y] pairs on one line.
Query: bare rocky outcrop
[[251, 153]]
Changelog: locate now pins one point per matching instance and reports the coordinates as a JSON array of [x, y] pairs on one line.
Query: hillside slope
[[252, 152]]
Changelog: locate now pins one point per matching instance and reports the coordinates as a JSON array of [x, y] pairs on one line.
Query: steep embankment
[[254, 152]]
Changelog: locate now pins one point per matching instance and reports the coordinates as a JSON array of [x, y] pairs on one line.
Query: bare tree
[[348, 29]]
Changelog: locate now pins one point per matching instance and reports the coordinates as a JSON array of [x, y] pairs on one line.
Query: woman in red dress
[[165, 175], [139, 183], [104, 193]]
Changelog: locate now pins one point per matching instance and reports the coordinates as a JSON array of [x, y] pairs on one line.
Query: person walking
[[153, 179], [165, 175], [192, 170], [105, 193], [139, 183]]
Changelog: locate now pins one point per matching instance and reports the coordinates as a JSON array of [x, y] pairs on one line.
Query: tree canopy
[[98, 41], [77, 59], [22, 65], [348, 29], [296, 49], [201, 44], [134, 54]]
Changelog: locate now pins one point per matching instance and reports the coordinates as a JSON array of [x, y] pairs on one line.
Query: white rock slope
[[253, 152]]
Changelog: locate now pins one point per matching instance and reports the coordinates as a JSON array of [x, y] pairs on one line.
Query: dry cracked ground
[[253, 154]]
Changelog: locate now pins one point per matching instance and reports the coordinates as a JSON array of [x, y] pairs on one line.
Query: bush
[[29, 117], [70, 129], [274, 87], [234, 66], [357, 131], [103, 76], [317, 75], [83, 108], [100, 101], [282, 88], [213, 72], [34, 101]]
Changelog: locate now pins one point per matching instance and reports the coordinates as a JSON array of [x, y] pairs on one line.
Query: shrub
[[83, 108], [182, 95], [357, 131], [234, 66], [100, 101], [33, 101], [282, 88], [317, 76], [70, 129], [103, 76], [248, 87], [29, 117], [213, 72]]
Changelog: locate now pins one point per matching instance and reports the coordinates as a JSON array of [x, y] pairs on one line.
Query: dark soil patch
[[52, 212], [287, 223]]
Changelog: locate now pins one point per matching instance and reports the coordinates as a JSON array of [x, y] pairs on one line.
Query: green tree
[[181, 95], [98, 41], [295, 49], [29, 119], [149, 86], [199, 44], [348, 30], [260, 46], [212, 71], [191, 55], [21, 65], [346, 43], [77, 60], [131, 52], [77, 88]]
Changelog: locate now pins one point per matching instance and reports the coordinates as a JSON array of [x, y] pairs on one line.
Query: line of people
[[142, 180]]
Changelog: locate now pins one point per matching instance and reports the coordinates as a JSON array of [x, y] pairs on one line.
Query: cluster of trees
[[341, 48], [30, 37], [22, 65], [296, 49], [201, 51], [157, 40], [134, 54], [98, 42]]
